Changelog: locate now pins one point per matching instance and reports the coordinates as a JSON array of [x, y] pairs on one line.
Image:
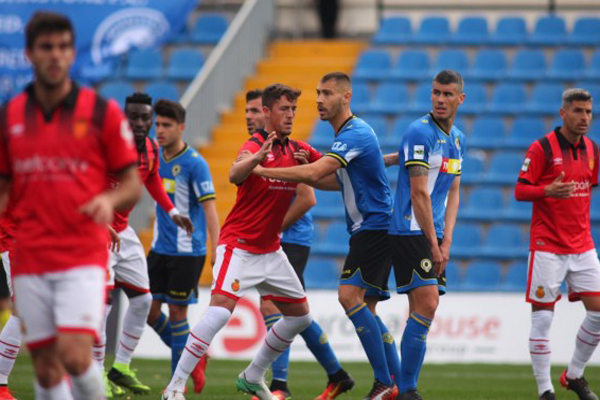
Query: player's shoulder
[[193, 157], [590, 142], [422, 127]]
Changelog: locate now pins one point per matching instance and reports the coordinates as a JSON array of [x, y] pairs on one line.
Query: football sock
[[369, 334], [587, 340], [281, 365], [391, 353], [539, 349], [213, 320], [278, 338], [10, 342], [413, 348], [89, 385], [180, 332], [133, 327], [99, 348], [58, 392], [317, 342], [162, 326]]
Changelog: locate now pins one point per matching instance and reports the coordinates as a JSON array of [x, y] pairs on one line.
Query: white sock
[[58, 392], [539, 349], [89, 385], [278, 338], [197, 344], [587, 340], [133, 327], [99, 348], [10, 342]]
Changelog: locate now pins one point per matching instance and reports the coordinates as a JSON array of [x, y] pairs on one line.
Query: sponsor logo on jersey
[[235, 285], [539, 292], [525, 166], [557, 161], [419, 152], [426, 264], [450, 166], [169, 185], [339, 146]]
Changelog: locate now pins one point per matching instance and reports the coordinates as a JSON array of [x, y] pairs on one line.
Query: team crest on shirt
[[539, 292], [426, 264], [235, 285], [457, 143], [176, 169], [80, 128]]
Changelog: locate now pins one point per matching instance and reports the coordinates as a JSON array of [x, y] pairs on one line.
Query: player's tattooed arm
[[417, 170]]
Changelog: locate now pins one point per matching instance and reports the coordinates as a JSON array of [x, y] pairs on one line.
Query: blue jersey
[[362, 178], [301, 232], [426, 144], [187, 181]]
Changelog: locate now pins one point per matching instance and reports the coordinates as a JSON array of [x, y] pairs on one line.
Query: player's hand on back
[[100, 209], [115, 240], [301, 156], [184, 223], [559, 189]]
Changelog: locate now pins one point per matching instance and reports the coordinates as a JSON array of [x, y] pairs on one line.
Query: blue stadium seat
[[596, 234], [586, 32], [595, 206], [549, 31], [525, 130], [482, 276], [475, 100], [594, 132], [517, 211], [472, 170], [117, 91], [433, 30], [335, 242], [467, 239], [504, 241], [487, 133], [322, 135], [545, 99], [321, 274], [209, 28], [184, 64], [361, 98], [482, 204], [421, 99], [373, 65], [399, 128], [394, 30], [411, 65], [592, 72], [504, 168], [453, 277], [144, 65], [378, 124], [98, 72], [510, 31], [390, 98], [451, 59], [516, 278], [489, 65], [567, 65], [329, 205], [471, 31], [508, 98], [163, 90], [528, 65]]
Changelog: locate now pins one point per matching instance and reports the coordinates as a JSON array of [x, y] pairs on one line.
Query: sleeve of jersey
[[202, 181], [527, 188], [313, 154], [157, 191], [416, 147], [462, 152], [344, 149], [5, 169], [596, 166], [118, 139], [252, 145]]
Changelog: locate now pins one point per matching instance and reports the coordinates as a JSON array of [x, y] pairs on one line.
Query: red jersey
[[8, 228], [559, 226], [148, 164], [255, 221], [57, 162]]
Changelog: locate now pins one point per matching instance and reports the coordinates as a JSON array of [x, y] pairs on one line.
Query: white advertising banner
[[469, 327]]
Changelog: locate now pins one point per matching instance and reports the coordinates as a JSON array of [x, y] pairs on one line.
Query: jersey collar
[[565, 144], [68, 102], [265, 134], [435, 121], [168, 160], [346, 122]]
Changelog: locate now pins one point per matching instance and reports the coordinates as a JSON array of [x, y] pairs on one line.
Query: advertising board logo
[[245, 329]]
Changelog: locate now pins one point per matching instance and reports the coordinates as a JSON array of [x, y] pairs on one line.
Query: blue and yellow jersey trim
[[209, 196], [410, 163], [341, 159]]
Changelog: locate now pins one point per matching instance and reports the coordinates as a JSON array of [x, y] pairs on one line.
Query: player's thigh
[[298, 257], [583, 278], [236, 271], [281, 284], [34, 303], [546, 273], [131, 271], [158, 274], [182, 281], [6, 266]]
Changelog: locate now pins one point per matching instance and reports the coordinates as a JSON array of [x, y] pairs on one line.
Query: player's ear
[[347, 96], [181, 127]]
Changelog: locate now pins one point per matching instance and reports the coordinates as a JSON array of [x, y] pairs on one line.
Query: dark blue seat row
[[208, 29], [157, 90]]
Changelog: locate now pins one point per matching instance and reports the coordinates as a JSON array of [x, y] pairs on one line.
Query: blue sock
[[281, 365], [163, 328], [412, 348], [391, 353], [369, 334], [181, 330], [317, 342]]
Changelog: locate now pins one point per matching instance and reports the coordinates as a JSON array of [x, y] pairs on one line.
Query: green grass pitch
[[307, 380]]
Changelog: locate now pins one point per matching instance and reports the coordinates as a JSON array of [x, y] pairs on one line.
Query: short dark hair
[[448, 76], [339, 77], [575, 94], [43, 22], [139, 98], [170, 109], [274, 92], [253, 94]]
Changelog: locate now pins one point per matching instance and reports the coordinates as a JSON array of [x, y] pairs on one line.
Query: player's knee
[[47, 368], [299, 323], [268, 308], [153, 315], [427, 306], [76, 359], [141, 304], [349, 300]]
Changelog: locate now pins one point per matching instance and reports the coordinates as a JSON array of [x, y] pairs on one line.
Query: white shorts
[[69, 301], [6, 265], [128, 268], [547, 272], [236, 271]]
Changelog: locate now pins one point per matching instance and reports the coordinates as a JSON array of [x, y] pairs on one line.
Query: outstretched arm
[[311, 174]]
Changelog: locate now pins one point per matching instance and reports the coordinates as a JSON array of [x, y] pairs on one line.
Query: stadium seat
[[97, 72], [517, 211], [433, 31], [335, 241], [451, 59], [472, 169], [489, 65], [117, 91], [471, 31], [411, 65], [596, 234], [482, 204], [525, 130], [390, 98], [398, 130], [373, 65], [393, 30], [378, 124], [504, 168], [329, 205], [487, 133], [545, 99], [528, 65], [361, 98], [322, 135], [592, 72], [453, 277], [516, 278], [549, 31], [475, 100], [594, 132], [144, 65], [184, 64], [163, 90], [466, 240], [586, 32], [508, 98], [321, 274], [567, 65], [209, 28], [482, 276], [510, 31], [421, 99], [595, 206], [504, 241]]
